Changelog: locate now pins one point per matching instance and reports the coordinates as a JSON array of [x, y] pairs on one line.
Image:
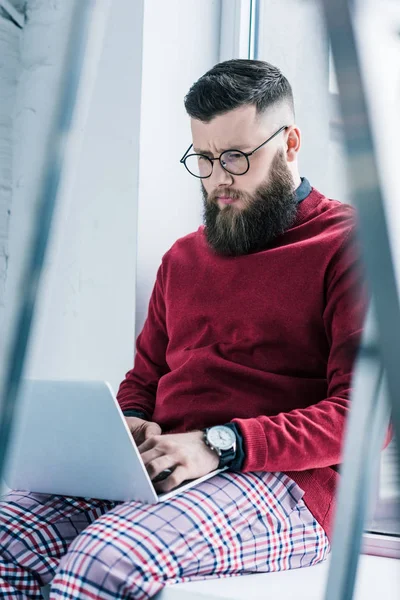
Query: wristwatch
[[222, 440]]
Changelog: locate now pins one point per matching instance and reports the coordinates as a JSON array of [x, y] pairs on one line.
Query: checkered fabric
[[232, 524]]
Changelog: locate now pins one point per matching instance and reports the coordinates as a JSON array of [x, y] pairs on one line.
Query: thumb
[[152, 429]]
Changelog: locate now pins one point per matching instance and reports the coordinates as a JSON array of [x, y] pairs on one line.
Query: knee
[[91, 562], [107, 565]]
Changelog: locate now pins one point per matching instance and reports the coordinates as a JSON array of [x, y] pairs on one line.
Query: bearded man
[[244, 363]]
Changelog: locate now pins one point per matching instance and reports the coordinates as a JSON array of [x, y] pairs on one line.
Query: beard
[[267, 214]]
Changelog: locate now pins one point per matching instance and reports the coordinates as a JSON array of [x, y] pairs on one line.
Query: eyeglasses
[[233, 161]]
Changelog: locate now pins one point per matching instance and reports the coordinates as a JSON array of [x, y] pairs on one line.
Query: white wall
[[84, 325], [180, 43], [85, 319]]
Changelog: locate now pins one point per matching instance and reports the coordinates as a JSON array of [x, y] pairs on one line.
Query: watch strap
[[238, 461]]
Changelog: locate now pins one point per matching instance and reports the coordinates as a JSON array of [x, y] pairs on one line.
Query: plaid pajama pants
[[232, 524]]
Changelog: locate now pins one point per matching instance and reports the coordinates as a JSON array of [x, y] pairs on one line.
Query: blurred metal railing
[[44, 198], [374, 392], [373, 395]]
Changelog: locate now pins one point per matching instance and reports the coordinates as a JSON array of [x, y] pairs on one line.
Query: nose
[[220, 176]]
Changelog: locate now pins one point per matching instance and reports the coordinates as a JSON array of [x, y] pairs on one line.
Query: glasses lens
[[198, 165], [235, 162]]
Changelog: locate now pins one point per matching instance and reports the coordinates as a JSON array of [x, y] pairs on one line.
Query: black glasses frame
[[245, 154]]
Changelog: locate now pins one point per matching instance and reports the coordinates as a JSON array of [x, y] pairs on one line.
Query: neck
[[296, 176]]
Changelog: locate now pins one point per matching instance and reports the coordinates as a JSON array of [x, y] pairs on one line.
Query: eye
[[231, 157]]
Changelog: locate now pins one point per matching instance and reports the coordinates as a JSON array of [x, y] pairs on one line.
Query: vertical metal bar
[[254, 29], [379, 427], [356, 470], [367, 195], [369, 412], [250, 50], [16, 347]]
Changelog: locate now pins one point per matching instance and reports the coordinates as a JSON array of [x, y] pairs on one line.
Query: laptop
[[71, 438]]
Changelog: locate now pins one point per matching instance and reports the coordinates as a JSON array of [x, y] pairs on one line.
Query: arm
[[311, 437], [137, 393]]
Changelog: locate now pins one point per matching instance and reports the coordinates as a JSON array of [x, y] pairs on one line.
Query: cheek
[[250, 182], [259, 174], [207, 185]]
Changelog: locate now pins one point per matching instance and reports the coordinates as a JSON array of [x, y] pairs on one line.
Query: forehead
[[239, 127]]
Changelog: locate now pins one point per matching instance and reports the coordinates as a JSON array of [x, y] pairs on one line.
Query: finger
[[156, 466], [152, 430], [138, 433], [148, 444], [179, 475], [152, 454]]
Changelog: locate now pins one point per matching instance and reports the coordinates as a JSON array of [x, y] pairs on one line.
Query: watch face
[[221, 437]]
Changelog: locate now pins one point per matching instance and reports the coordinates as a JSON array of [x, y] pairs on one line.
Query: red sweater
[[265, 340]]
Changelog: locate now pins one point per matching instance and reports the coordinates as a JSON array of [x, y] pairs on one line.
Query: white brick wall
[[83, 326], [42, 44], [9, 71], [28, 113]]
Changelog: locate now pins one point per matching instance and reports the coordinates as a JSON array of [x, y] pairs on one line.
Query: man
[[244, 362]]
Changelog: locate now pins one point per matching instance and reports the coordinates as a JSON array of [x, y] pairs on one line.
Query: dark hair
[[235, 83]]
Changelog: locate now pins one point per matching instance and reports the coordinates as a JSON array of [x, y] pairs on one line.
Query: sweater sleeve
[[311, 437], [138, 390]]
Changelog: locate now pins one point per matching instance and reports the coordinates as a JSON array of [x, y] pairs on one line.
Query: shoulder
[[324, 223], [340, 231], [327, 233], [185, 247], [334, 216]]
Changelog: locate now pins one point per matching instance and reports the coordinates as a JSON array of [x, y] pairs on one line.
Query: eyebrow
[[206, 152], [233, 147]]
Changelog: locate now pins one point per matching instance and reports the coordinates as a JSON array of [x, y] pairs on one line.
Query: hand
[[142, 430], [186, 453]]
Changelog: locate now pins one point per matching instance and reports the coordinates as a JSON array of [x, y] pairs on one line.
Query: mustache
[[230, 193]]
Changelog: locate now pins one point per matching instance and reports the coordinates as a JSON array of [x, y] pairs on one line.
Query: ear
[[293, 143]]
